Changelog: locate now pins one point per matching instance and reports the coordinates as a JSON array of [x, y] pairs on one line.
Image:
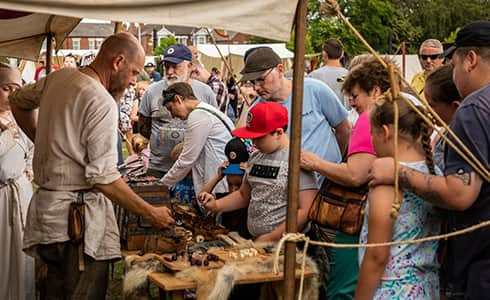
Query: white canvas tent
[[267, 18], [23, 33]]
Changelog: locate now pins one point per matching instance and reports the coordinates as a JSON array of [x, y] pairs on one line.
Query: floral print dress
[[412, 271]]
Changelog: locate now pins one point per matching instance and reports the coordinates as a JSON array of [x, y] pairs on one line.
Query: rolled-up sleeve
[[29, 96], [101, 144]]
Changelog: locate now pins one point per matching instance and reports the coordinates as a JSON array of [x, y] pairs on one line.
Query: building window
[[181, 40], [201, 39], [76, 44], [98, 42], [91, 44]]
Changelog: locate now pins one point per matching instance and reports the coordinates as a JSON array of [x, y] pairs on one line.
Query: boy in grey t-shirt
[[264, 187]]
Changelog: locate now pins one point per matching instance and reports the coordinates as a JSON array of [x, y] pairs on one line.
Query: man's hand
[[309, 160], [161, 217], [382, 172], [208, 201]]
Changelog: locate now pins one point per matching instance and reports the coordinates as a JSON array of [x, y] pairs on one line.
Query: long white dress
[[17, 281]]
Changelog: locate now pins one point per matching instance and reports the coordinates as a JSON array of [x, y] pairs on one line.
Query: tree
[[439, 18], [372, 18], [164, 44]]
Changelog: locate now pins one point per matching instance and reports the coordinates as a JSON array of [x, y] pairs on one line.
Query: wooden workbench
[[168, 283]]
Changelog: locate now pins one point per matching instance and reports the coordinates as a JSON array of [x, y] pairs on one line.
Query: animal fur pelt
[[135, 279], [218, 284]]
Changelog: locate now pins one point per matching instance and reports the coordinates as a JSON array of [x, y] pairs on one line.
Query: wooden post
[[118, 27], [49, 52], [295, 148]]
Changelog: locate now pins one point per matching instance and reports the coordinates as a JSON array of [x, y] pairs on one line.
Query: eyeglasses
[[431, 56], [261, 80]]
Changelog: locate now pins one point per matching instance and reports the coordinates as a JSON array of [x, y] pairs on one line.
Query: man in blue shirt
[[325, 128]]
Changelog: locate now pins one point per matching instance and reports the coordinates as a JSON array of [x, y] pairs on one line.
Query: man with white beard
[[155, 121]]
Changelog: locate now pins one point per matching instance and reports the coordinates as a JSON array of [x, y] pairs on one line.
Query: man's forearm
[[144, 126], [26, 119], [455, 192], [121, 194]]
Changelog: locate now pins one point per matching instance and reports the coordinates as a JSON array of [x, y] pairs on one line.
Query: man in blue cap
[[155, 121], [464, 192]]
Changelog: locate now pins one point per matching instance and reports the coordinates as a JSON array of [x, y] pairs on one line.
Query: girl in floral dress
[[408, 271]]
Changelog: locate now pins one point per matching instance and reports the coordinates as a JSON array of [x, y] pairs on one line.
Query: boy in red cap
[[264, 187]]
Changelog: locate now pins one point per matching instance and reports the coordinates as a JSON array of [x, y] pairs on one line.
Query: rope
[[331, 8], [297, 237], [395, 92]]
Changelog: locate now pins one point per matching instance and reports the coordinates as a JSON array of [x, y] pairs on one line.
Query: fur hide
[[218, 284], [214, 284], [138, 268]]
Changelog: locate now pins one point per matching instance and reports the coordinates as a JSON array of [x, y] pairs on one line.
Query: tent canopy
[[24, 33], [267, 18], [237, 49]]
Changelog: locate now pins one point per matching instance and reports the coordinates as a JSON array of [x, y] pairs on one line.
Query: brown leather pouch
[[76, 222]]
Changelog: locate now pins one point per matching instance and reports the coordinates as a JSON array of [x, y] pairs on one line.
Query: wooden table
[[167, 282]]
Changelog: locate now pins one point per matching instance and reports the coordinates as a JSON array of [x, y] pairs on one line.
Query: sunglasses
[[431, 56]]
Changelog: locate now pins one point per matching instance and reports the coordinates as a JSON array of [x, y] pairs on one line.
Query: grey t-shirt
[[167, 132], [329, 75], [267, 175]]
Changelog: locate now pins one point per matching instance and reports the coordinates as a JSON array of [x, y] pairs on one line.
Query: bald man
[[75, 161]]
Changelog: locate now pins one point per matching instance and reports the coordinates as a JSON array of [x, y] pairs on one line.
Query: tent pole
[[49, 52], [295, 148]]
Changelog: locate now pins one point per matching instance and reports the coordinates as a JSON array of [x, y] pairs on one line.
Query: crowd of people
[[224, 147]]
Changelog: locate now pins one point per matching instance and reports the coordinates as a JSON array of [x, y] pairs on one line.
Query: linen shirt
[[204, 148], [75, 148]]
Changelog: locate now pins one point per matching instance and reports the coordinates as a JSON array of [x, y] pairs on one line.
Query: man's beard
[[178, 78]]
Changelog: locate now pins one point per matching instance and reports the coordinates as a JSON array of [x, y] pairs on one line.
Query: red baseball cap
[[262, 119]]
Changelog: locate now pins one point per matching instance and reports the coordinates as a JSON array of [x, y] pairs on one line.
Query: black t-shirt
[[471, 124]]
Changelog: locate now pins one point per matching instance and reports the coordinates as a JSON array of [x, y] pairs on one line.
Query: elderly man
[[75, 161], [430, 58], [207, 130], [155, 122], [465, 273]]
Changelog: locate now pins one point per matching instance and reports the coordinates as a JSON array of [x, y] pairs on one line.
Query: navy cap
[[236, 152], [474, 34], [177, 53]]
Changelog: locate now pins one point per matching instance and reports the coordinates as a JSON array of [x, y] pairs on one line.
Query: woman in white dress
[[17, 269]]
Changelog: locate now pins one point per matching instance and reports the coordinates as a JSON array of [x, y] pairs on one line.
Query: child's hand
[[243, 166], [208, 201], [223, 165]]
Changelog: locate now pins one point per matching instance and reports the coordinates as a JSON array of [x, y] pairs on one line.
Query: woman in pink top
[[364, 83]]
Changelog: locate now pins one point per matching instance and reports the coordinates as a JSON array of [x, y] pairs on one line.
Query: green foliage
[[164, 43], [440, 19], [451, 37], [372, 18]]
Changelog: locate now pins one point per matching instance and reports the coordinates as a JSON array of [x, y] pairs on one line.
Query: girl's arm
[[209, 186], [380, 230], [305, 200]]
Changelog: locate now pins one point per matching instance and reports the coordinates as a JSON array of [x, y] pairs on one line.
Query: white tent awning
[[267, 18]]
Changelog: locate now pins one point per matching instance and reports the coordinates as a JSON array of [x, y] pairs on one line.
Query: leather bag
[[339, 207]]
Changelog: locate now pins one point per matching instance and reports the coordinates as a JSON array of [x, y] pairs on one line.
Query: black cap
[[258, 62], [474, 34], [236, 152], [150, 65]]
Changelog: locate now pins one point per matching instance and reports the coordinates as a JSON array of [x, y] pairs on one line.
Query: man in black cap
[[154, 75], [155, 122], [464, 192]]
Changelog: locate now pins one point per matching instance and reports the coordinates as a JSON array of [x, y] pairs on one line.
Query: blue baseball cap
[[236, 152], [177, 54]]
